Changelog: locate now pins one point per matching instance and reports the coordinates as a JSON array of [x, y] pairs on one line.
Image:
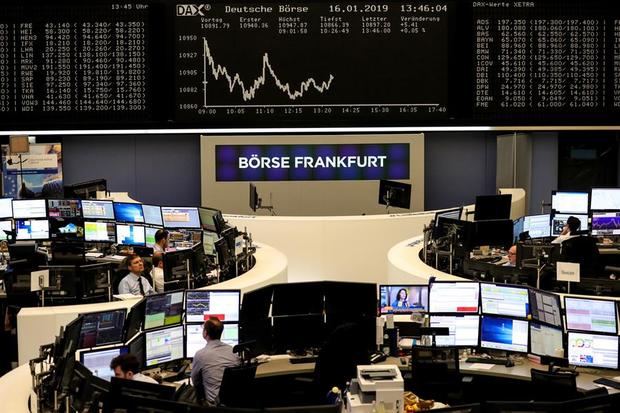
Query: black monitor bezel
[[451, 282], [151, 296], [568, 332], [224, 290], [163, 220], [151, 331], [413, 311], [588, 298], [121, 339], [114, 204], [514, 286], [527, 345]]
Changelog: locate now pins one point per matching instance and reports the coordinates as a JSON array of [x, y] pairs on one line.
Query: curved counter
[[39, 325]]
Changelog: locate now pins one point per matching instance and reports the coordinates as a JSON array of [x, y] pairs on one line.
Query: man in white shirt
[[161, 242], [126, 366], [134, 283], [570, 228], [157, 273]]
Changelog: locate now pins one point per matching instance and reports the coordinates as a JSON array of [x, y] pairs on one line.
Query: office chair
[[237, 388], [436, 374], [582, 250], [550, 386]]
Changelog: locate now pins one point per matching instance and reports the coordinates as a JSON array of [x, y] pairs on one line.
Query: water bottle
[[334, 396]]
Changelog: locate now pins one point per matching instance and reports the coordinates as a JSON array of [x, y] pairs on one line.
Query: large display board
[[157, 64]]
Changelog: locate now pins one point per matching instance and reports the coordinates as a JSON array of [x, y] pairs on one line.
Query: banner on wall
[[311, 162], [38, 176]]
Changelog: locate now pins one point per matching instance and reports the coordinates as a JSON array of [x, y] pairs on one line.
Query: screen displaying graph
[[300, 61]]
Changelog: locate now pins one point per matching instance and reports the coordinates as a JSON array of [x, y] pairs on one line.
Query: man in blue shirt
[[210, 361], [134, 283]]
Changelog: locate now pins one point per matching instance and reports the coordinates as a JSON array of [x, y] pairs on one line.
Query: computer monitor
[[5, 226], [128, 212], [211, 219], [570, 202], [163, 309], [299, 298], [538, 226], [545, 340], [149, 233], [95, 209], [506, 300], [102, 328], [29, 208], [176, 264], [559, 220], [501, 333], [32, 229], [162, 346], [545, 307], [495, 233], [589, 314], [202, 304], [135, 320], [195, 341], [64, 208], [464, 330], [98, 361], [223, 255], [253, 198], [6, 207], [395, 194], [602, 199], [99, 232], [152, 215], [453, 297], [128, 234], [208, 242], [403, 299], [66, 229], [517, 228], [70, 338], [180, 217], [454, 213], [605, 223], [492, 207], [592, 350], [297, 332]]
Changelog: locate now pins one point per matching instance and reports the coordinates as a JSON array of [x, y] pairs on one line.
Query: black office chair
[[435, 373], [237, 388], [584, 251], [552, 386]]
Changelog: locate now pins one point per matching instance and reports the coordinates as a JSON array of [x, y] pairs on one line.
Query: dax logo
[[192, 10]]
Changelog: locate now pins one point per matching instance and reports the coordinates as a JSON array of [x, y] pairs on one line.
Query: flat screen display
[[195, 341], [98, 361], [545, 307], [502, 333], [538, 226], [545, 340], [463, 330], [511, 301], [163, 310], [180, 217], [6, 208], [128, 212], [559, 220], [570, 202], [584, 314], [32, 229], [66, 229], [202, 304], [403, 299], [5, 226], [592, 350], [605, 199], [152, 215], [101, 328], [29, 208], [64, 208], [99, 231], [162, 346], [208, 242], [93, 209], [130, 234], [150, 236], [605, 223], [454, 297]]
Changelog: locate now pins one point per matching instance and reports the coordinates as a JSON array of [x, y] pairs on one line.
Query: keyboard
[[608, 383], [486, 360], [304, 359]]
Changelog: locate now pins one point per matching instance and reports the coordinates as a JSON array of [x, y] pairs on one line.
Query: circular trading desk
[[39, 325]]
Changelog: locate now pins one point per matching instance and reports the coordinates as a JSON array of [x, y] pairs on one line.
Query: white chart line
[[321, 105], [249, 93]]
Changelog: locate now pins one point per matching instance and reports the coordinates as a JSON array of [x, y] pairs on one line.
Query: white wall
[[309, 198]]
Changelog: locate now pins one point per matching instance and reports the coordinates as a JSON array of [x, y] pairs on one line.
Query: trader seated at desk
[[578, 248], [126, 366], [161, 242], [569, 231], [134, 283]]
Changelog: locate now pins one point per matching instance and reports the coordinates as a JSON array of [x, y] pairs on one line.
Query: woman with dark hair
[[401, 300]]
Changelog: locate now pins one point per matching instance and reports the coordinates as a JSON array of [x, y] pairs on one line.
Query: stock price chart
[[312, 63]]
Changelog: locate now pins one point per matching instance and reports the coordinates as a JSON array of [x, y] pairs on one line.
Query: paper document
[[482, 366]]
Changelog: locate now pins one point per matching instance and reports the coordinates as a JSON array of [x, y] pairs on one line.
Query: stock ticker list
[[90, 60], [356, 61], [545, 57]]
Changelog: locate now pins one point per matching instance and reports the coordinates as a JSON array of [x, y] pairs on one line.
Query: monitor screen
[[570, 202], [454, 213], [164, 345], [34, 229], [592, 350], [211, 219], [463, 330], [511, 301], [194, 340], [492, 207], [546, 341], [585, 314], [150, 236], [97, 209], [152, 215], [29, 208], [101, 328], [179, 217], [504, 334], [128, 212], [517, 228], [495, 233], [202, 304], [66, 229], [545, 307], [605, 199], [208, 242], [163, 309], [5, 226], [538, 226], [403, 299], [559, 220], [130, 234], [99, 231], [64, 208], [453, 297], [98, 361], [605, 223], [6, 208]]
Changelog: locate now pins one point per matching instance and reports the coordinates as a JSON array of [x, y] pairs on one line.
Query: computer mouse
[[509, 363]]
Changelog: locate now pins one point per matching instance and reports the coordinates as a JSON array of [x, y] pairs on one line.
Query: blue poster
[[36, 174]]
